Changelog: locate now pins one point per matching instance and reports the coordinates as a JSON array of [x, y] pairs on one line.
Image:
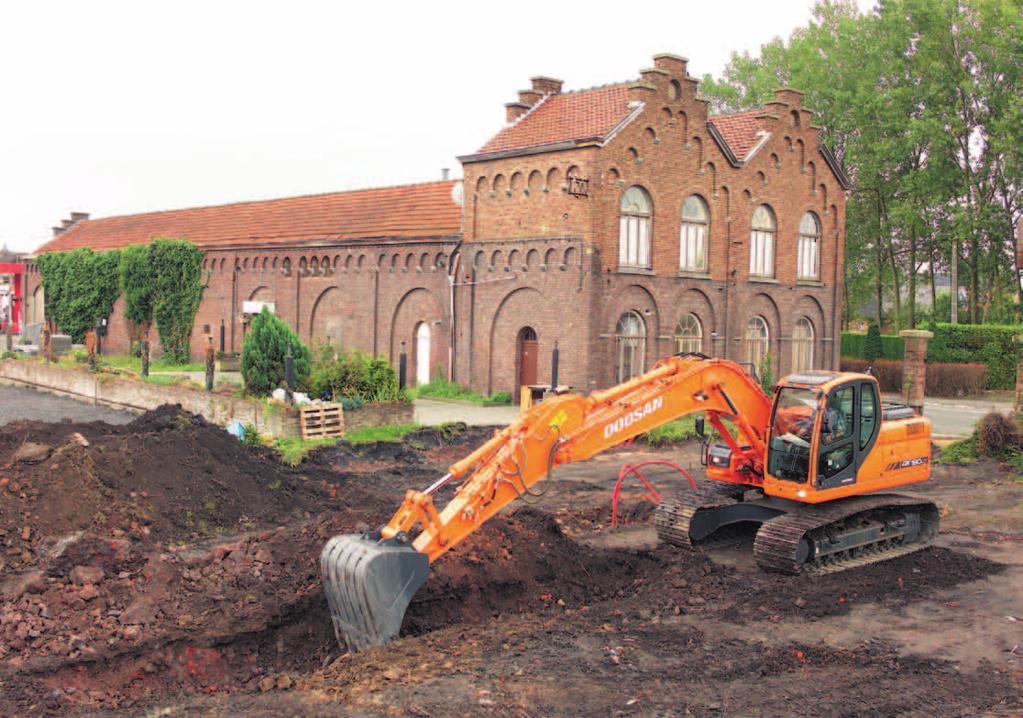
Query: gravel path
[[21, 403]]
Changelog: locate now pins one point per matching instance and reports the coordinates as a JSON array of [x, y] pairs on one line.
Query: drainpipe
[[728, 270], [234, 301], [298, 302], [376, 308], [836, 335], [454, 262]]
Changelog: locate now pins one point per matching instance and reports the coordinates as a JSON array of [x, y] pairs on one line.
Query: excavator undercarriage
[[797, 538]]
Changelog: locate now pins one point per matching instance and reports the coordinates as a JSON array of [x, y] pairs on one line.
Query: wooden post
[[145, 352], [90, 348]]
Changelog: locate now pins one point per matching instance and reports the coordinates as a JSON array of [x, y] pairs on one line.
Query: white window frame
[[634, 230], [693, 237], [802, 345], [808, 250], [758, 343], [687, 340], [762, 244], [630, 349]]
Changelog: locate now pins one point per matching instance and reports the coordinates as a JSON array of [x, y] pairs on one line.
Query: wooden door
[[528, 353]]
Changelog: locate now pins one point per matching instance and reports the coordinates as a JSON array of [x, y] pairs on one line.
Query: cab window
[[836, 452], [868, 413]]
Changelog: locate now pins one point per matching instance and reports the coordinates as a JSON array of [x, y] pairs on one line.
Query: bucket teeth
[[369, 585]]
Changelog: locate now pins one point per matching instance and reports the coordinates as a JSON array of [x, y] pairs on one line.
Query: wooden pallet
[[321, 421]]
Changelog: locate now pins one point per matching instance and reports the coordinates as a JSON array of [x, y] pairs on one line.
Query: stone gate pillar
[[914, 367], [1019, 370]]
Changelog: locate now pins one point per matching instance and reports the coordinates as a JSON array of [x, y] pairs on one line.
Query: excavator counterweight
[[795, 467]]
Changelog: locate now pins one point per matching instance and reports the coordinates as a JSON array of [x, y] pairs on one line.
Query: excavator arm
[[370, 579]]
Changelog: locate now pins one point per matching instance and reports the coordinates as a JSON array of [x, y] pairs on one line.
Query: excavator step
[[827, 538], [369, 584]]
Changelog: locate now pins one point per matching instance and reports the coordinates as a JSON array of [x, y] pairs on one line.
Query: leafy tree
[[177, 291], [81, 288], [264, 350], [873, 349], [138, 282], [766, 372]]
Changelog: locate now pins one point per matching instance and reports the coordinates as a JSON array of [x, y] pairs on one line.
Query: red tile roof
[[567, 117], [739, 130], [409, 211]]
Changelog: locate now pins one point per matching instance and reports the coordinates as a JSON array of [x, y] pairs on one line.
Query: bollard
[[289, 373], [914, 367], [47, 347], [145, 353], [90, 348], [402, 367], [555, 355], [210, 363]]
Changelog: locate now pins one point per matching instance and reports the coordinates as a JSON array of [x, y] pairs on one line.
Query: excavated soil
[[163, 566]]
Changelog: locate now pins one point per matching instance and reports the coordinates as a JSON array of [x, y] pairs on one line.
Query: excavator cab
[[824, 426]]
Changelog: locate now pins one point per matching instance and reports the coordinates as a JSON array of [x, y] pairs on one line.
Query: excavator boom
[[371, 578]]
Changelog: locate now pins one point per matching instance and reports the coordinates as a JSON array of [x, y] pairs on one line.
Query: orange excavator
[[804, 469]]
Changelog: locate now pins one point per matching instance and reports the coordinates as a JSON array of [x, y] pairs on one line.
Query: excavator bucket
[[369, 584]]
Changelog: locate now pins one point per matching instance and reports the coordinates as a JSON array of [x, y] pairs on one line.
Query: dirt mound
[[522, 562], [167, 476]]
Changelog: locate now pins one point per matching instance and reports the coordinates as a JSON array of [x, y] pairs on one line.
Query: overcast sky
[[121, 107]]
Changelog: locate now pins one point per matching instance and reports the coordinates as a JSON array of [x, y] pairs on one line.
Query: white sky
[[121, 107]]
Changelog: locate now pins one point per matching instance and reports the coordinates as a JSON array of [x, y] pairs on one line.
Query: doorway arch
[[422, 345], [527, 351]]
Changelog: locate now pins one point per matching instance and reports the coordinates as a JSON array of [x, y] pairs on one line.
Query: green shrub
[[354, 376], [350, 404], [766, 372], [8, 355], [872, 348], [498, 398], [263, 352], [990, 344]]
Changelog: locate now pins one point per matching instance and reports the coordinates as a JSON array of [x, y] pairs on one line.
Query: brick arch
[[550, 258], [764, 305], [637, 298], [809, 307], [416, 306], [326, 322], [695, 301], [261, 294], [519, 308]]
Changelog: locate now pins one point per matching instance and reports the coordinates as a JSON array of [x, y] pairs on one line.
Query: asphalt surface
[[949, 417], [19, 403]]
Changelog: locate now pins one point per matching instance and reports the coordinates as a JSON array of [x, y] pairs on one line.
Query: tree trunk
[[954, 270], [934, 288], [896, 288], [912, 280], [877, 281]]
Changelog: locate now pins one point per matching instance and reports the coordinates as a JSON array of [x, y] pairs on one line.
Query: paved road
[[20, 403], [949, 417]]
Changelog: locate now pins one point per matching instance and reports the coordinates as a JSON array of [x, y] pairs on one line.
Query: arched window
[[761, 249], [802, 345], [630, 345], [808, 257], [692, 253], [689, 334], [758, 341], [634, 229]]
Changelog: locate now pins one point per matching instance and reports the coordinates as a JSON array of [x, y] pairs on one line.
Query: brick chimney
[[79, 216], [546, 85], [541, 87], [675, 65]]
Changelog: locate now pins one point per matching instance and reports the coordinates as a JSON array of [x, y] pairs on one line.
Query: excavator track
[[674, 514], [827, 538]]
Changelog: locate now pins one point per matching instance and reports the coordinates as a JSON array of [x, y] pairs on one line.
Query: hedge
[[989, 344], [944, 380], [853, 345]]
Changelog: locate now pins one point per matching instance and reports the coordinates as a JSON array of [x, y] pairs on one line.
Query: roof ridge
[[238, 203], [624, 83]]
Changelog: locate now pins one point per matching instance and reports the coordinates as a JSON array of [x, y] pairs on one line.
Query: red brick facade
[[533, 250]]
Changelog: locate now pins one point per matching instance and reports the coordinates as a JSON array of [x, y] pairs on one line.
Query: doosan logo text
[[621, 423]]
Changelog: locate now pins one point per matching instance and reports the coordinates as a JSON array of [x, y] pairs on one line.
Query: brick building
[[622, 222]]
